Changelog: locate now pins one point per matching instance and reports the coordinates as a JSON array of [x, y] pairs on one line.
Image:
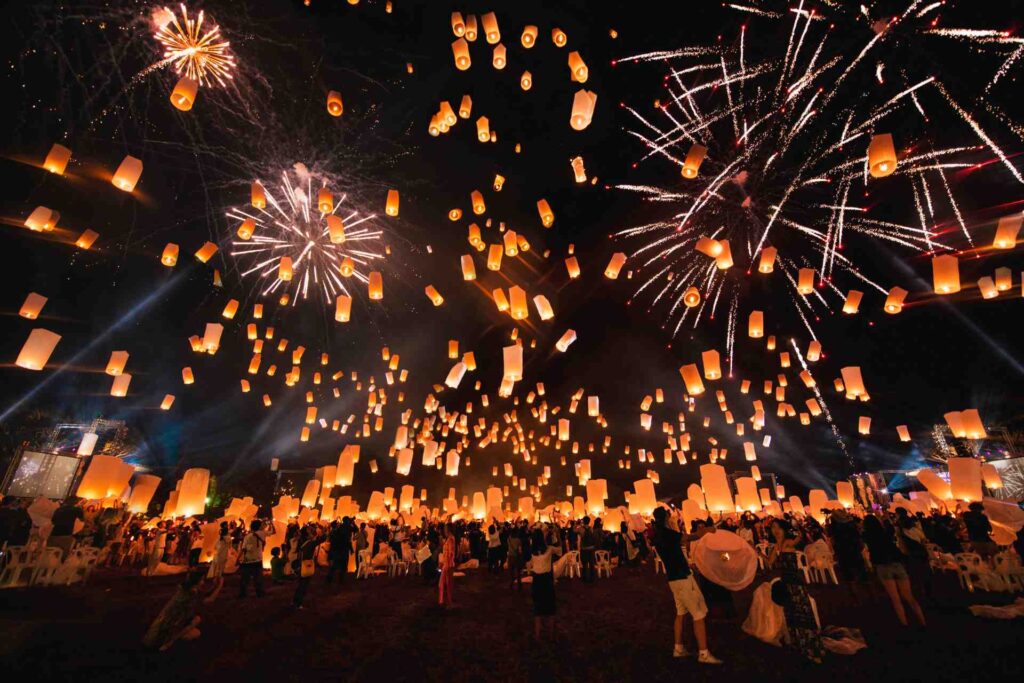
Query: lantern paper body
[[547, 216], [725, 559], [844, 492], [117, 362], [935, 484], [37, 349], [894, 301], [192, 493], [990, 475], [391, 204], [755, 325], [691, 378], [42, 219], [376, 286], [965, 479], [805, 281], [766, 264], [716, 488], [127, 174], [105, 477], [881, 156], [335, 107], [583, 104], [1006, 231], [618, 260], [142, 493], [33, 306], [460, 52], [566, 340], [119, 388], [58, 157], [184, 94], [946, 274], [694, 158], [88, 443]]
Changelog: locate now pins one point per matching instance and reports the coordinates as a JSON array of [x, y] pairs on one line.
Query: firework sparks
[[192, 50], [786, 118], [293, 226]]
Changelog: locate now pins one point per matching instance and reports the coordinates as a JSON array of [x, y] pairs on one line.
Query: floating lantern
[[517, 303], [566, 340], [853, 382], [184, 94], [119, 388], [347, 267], [987, 288], [37, 349], [965, 479], [460, 50], [615, 265], [33, 306], [106, 477], [335, 107], [195, 484], [547, 216], [1004, 279], [434, 296], [990, 476], [558, 37], [813, 351], [708, 247], [694, 158], [284, 269], [458, 25], [894, 301], [755, 324], [468, 268], [490, 25], [391, 205], [499, 60], [864, 425], [343, 308], [691, 297], [499, 300], [712, 364], [466, 107], [903, 433], [805, 281], [724, 259], [1006, 230], [376, 286], [526, 80], [258, 196], [246, 229], [946, 274], [42, 219], [494, 254], [206, 252], [881, 156], [583, 104], [529, 37], [59, 155], [543, 307], [127, 174], [118, 360], [142, 493], [87, 239], [766, 264], [852, 303], [691, 378], [325, 200], [577, 68]]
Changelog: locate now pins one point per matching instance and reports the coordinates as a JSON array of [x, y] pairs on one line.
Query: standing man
[[250, 559], [587, 548], [688, 598], [341, 546]]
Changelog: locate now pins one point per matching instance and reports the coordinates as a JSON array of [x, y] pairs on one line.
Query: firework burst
[[785, 120], [192, 50], [324, 262]]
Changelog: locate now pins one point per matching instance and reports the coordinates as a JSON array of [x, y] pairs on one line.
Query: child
[[277, 564]]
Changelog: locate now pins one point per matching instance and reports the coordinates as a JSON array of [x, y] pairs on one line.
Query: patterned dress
[[799, 614], [446, 582]]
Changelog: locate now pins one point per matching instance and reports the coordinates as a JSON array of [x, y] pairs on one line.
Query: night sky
[[70, 76]]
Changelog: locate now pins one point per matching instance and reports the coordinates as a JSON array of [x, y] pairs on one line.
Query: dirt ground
[[387, 629]]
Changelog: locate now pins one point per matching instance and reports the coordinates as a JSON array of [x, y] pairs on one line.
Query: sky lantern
[[694, 158], [434, 296], [583, 105], [143, 488], [105, 477], [458, 25], [246, 229], [526, 80], [499, 300], [192, 493], [499, 60], [990, 476], [518, 308], [755, 324], [471, 26], [324, 200], [59, 155], [558, 37], [894, 301], [451, 464], [127, 174], [476, 198], [118, 360], [33, 306], [258, 196], [547, 216], [335, 107], [1006, 230], [466, 107], [852, 303], [119, 388], [749, 452], [615, 264], [37, 349], [494, 254], [708, 247], [512, 357], [206, 252], [712, 364], [184, 94], [813, 351], [805, 281], [988, 288], [1004, 279], [903, 433], [577, 68], [343, 308], [510, 244], [455, 375], [489, 23], [691, 378], [460, 51], [284, 269], [724, 259], [864, 425], [853, 382], [965, 479], [376, 286], [543, 307], [766, 263], [573, 267], [813, 407], [186, 376], [391, 204], [529, 37], [716, 489], [42, 219], [946, 274], [347, 267], [468, 268], [566, 340], [881, 156], [87, 239], [691, 297]]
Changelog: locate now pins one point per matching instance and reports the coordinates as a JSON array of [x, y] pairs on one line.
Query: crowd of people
[[895, 547]]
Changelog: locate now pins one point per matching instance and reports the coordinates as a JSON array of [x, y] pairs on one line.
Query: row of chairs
[[42, 566], [1004, 574]]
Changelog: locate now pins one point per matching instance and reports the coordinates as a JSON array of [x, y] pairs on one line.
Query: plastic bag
[[842, 641]]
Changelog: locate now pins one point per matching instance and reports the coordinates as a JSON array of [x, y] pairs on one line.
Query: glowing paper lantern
[[460, 51], [206, 252], [853, 382], [566, 340], [455, 375], [42, 219], [724, 259], [558, 37], [547, 216], [691, 378], [518, 308], [142, 493], [391, 205], [37, 349], [343, 308], [1006, 230], [284, 269], [119, 389], [192, 492], [169, 257], [458, 25], [694, 158], [716, 488], [903, 432], [990, 476], [33, 306], [105, 477], [499, 59], [434, 296], [894, 301], [805, 281], [755, 324], [766, 264], [59, 155], [965, 479], [376, 286], [577, 68], [946, 274], [615, 265], [583, 104], [852, 303], [844, 493], [184, 94], [512, 357], [529, 37], [167, 402], [1004, 279], [814, 351], [335, 107], [543, 307], [864, 425], [712, 364], [526, 80], [988, 288], [115, 366], [881, 156], [127, 174]]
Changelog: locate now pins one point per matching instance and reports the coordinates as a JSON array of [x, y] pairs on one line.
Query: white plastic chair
[[1008, 567], [602, 563], [20, 562], [762, 549], [823, 568], [803, 566], [396, 567], [573, 566], [365, 569], [46, 567]]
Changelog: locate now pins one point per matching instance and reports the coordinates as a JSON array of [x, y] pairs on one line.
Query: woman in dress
[[220, 553], [447, 566], [543, 551], [800, 621]]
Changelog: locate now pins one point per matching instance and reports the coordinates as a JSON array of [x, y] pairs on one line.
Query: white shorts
[[689, 599]]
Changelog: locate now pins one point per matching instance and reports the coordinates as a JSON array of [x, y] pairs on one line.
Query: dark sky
[[69, 76]]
